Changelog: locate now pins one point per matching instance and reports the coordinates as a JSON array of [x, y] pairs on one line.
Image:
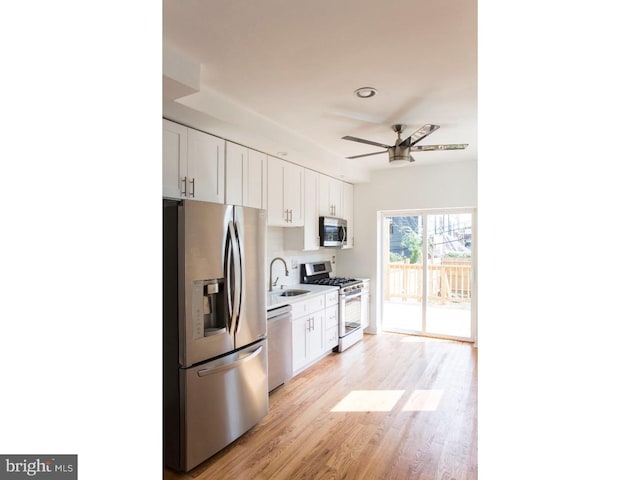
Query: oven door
[[350, 313]]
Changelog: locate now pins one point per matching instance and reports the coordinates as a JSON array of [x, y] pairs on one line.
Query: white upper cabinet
[[284, 193], [205, 167], [192, 164], [311, 236], [174, 160], [307, 237], [254, 186], [246, 177], [329, 197], [236, 158]]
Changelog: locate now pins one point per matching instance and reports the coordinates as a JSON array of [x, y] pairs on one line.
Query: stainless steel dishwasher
[[279, 345]]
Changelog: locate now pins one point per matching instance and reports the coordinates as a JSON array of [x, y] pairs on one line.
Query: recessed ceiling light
[[281, 154], [365, 92]]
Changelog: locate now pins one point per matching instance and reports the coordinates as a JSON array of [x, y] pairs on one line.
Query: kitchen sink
[[293, 293]]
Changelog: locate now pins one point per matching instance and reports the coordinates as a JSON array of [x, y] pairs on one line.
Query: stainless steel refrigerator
[[214, 327]]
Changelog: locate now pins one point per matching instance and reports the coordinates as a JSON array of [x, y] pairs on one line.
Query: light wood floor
[[419, 418]]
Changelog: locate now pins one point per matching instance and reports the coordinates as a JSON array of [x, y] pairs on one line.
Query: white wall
[[412, 187], [276, 248]]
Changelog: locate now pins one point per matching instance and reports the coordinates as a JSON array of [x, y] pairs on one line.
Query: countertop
[[274, 300]]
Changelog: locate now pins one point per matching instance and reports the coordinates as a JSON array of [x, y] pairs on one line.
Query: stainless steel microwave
[[333, 232]]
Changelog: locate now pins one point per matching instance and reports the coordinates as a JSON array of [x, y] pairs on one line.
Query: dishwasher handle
[[282, 316], [278, 312]]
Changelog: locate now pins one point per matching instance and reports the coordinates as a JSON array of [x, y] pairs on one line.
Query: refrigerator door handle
[[239, 277], [228, 266], [223, 368], [236, 271]]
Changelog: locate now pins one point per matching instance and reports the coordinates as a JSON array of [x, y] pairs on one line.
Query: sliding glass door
[[427, 270]]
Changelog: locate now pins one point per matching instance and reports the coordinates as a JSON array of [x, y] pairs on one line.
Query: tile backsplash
[[294, 258]]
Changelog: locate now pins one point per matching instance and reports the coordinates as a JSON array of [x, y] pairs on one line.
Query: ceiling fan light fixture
[[365, 92], [400, 156]]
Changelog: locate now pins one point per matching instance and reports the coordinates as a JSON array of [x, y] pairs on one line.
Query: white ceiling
[[279, 75]]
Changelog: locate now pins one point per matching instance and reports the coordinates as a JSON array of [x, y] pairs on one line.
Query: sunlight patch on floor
[[423, 401], [385, 400], [369, 401]]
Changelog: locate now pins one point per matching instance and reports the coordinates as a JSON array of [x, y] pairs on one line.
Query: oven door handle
[[353, 293]]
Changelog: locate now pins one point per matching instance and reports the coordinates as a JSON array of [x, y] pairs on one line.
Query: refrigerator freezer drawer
[[222, 400]]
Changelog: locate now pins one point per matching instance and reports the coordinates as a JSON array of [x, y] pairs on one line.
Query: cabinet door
[[294, 194], [329, 196], [254, 187], [299, 342], [275, 192], [364, 316], [205, 158], [284, 193], [235, 159], [316, 335], [331, 314], [331, 338], [311, 239], [347, 210], [306, 238], [174, 159], [324, 204], [335, 197], [331, 327]]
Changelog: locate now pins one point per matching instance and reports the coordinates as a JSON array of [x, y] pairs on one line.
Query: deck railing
[[447, 282]]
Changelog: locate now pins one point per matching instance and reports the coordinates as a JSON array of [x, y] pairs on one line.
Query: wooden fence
[[447, 282]]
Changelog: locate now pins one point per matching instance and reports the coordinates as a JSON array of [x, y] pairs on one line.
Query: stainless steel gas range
[[352, 303]]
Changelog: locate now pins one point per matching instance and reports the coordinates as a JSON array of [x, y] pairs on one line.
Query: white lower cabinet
[[314, 327], [331, 320], [308, 333], [331, 328]]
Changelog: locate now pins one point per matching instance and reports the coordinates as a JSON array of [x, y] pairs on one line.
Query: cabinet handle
[[184, 180], [193, 187]]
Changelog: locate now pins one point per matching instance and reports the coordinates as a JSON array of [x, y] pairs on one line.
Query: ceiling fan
[[401, 151]]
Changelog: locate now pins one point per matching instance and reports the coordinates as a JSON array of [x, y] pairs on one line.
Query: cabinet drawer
[[308, 306], [331, 337], [332, 317], [331, 298]]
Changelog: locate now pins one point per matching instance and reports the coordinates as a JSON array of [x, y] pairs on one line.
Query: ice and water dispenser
[[208, 312]]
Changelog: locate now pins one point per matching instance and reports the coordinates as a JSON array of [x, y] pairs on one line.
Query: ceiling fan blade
[[366, 155], [419, 134], [368, 142], [428, 148]]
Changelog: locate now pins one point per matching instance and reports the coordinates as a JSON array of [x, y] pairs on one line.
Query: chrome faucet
[[286, 272]]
